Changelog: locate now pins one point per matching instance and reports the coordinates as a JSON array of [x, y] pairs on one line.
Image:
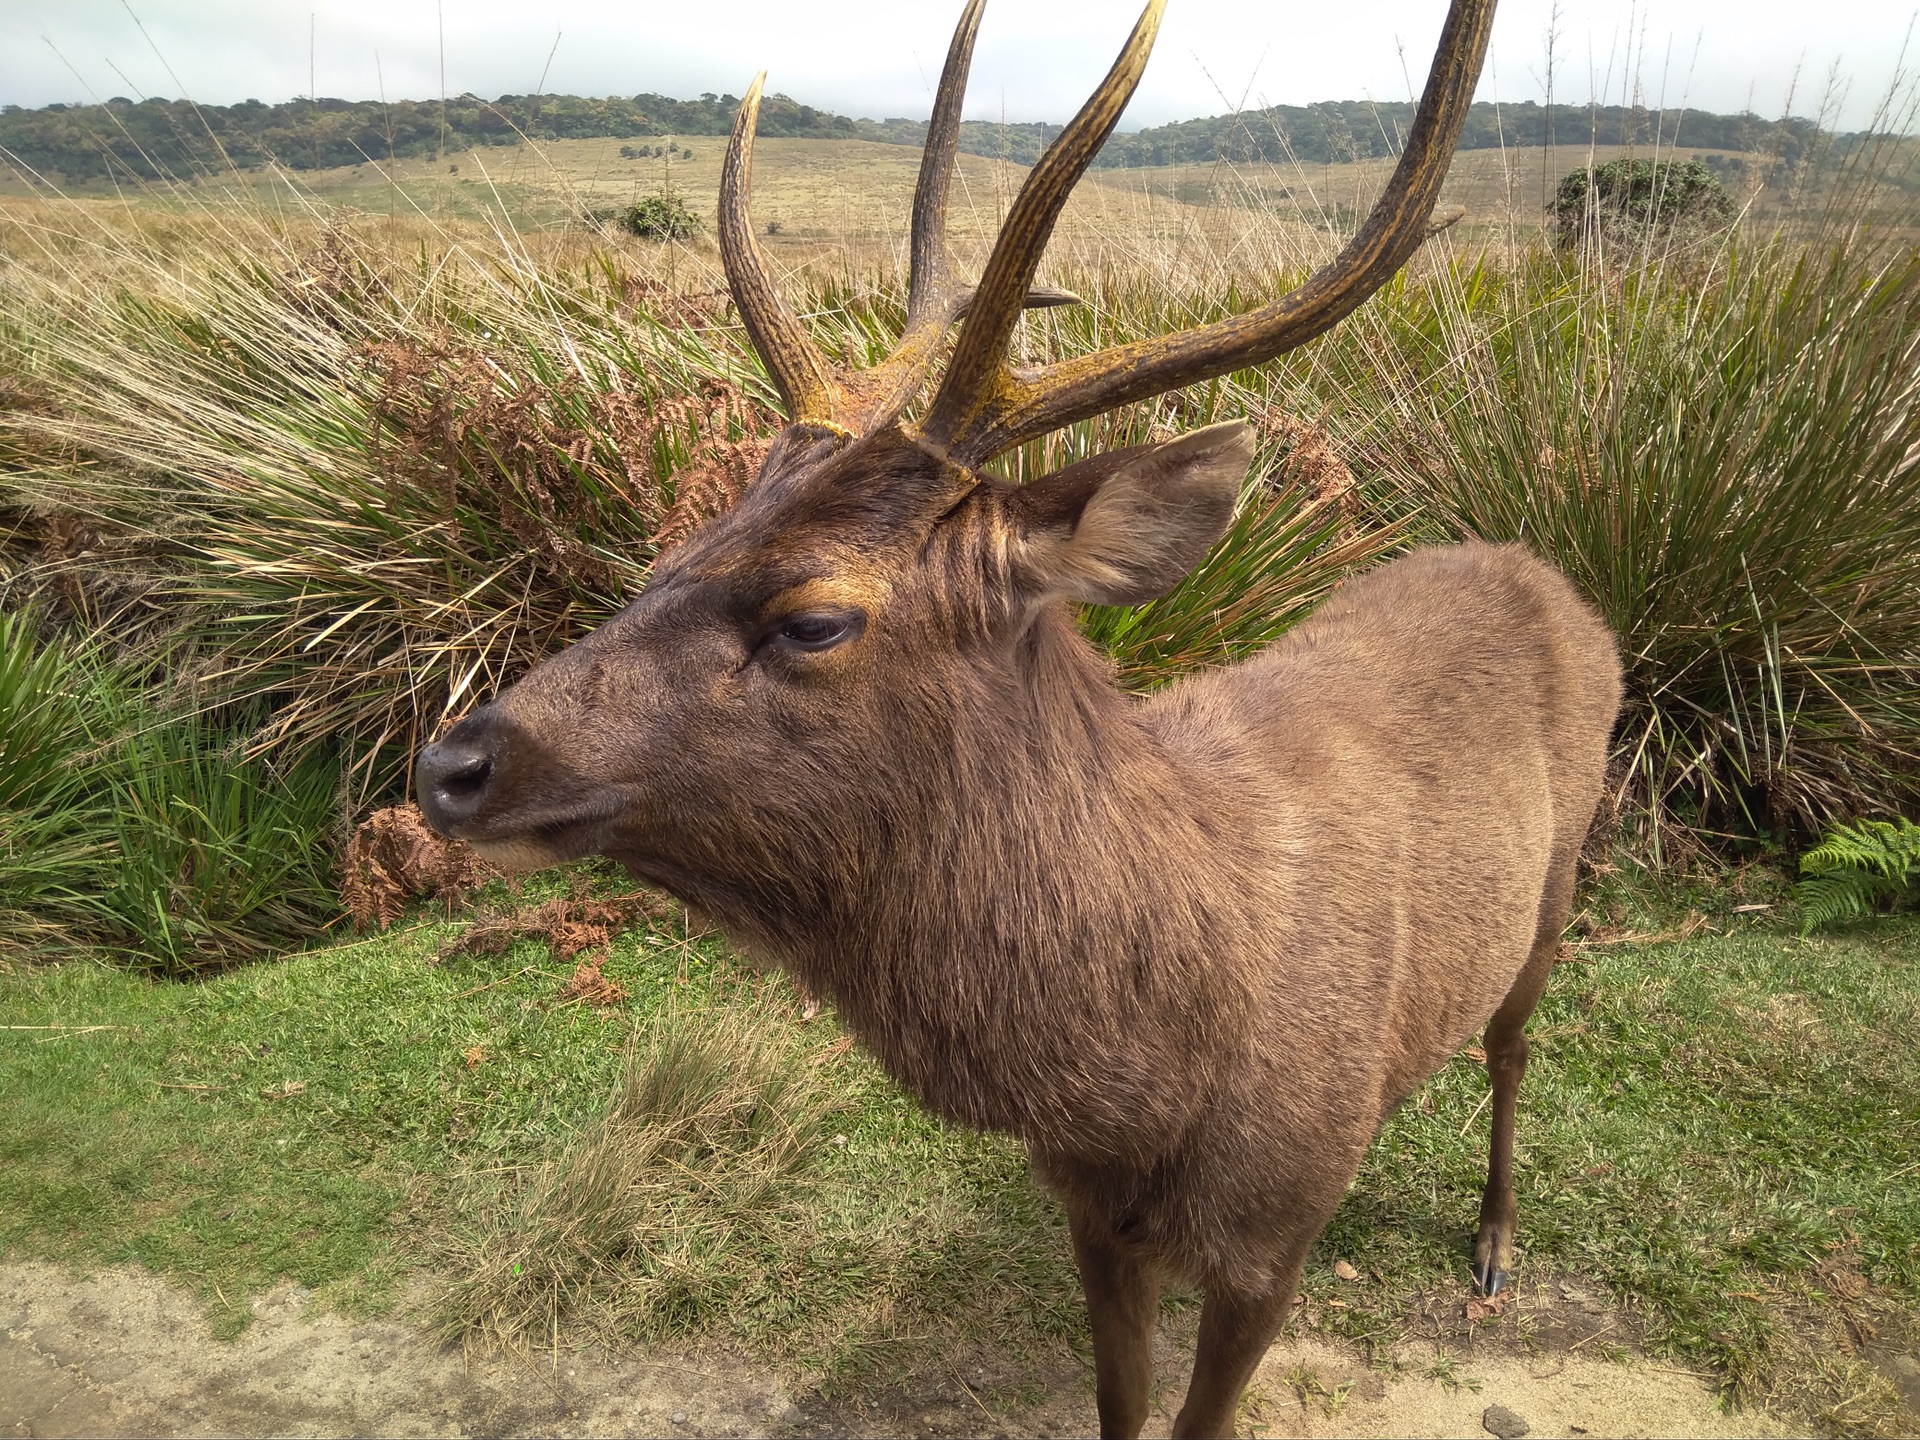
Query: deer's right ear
[[1126, 527]]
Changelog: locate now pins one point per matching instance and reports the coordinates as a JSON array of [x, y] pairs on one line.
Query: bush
[[659, 217], [1728, 464], [1629, 201]]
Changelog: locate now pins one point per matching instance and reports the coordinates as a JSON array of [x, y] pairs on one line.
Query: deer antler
[[817, 392], [983, 408]]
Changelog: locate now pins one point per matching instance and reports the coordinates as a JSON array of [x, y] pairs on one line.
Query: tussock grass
[[144, 832], [673, 1209], [368, 492], [1723, 451]]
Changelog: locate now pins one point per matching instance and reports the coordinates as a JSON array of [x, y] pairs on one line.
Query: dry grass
[[690, 1190]]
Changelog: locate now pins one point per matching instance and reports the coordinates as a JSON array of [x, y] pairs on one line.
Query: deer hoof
[[1488, 1279]]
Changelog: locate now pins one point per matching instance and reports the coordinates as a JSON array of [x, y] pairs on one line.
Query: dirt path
[[122, 1352]]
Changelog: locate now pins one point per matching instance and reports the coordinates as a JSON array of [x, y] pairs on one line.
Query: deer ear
[[1128, 526]]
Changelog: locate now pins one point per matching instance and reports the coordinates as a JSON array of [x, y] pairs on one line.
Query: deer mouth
[[540, 844]]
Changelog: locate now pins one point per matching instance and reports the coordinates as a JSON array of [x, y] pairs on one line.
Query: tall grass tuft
[[145, 834], [376, 490], [680, 1207], [1724, 454], [217, 857], [53, 841]]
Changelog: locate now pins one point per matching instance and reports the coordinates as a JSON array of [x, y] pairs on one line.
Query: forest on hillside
[[156, 138], [159, 139]]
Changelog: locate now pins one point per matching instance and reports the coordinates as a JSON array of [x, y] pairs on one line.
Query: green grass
[[1705, 1122], [169, 1141]]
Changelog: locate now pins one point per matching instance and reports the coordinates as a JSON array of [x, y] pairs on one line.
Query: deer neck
[[1039, 944]]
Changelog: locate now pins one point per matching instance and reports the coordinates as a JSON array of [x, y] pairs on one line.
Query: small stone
[[1499, 1420], [680, 1418], [1345, 1271]]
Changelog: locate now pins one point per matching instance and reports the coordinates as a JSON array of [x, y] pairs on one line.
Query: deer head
[[786, 696]]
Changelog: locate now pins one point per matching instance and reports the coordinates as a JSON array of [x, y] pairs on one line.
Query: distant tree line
[[1338, 130], [158, 138]]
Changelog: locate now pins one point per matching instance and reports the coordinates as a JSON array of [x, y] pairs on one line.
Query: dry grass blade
[[685, 1192]]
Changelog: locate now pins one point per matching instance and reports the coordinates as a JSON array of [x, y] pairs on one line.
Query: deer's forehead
[[818, 569]]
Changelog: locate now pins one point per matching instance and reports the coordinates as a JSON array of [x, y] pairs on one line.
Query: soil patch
[[123, 1352]]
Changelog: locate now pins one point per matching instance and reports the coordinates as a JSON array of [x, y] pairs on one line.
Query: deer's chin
[[519, 856]]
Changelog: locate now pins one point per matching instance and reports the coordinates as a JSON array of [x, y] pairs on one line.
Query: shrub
[[1629, 201], [1857, 869], [659, 217], [1728, 464]]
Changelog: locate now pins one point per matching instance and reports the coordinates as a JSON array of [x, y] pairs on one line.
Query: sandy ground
[[122, 1352]]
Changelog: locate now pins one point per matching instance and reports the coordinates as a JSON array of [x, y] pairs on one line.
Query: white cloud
[[879, 57]]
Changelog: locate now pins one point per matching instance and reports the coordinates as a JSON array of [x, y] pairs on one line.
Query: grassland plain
[[1719, 1136], [853, 197]]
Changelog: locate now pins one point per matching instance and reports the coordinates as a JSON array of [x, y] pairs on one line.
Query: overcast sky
[[1036, 59]]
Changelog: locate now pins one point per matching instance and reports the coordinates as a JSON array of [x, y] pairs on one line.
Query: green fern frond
[[1857, 868]]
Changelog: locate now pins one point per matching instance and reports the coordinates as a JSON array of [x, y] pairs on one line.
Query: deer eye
[[821, 631]]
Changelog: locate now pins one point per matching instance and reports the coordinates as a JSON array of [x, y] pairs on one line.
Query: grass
[[149, 832], [1705, 1123], [1722, 450], [351, 1114], [1710, 1125]]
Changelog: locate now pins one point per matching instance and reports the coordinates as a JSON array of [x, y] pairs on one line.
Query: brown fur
[[1191, 948]]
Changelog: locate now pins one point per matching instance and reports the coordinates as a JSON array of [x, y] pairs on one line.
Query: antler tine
[[929, 250], [977, 373], [794, 361], [1004, 410]]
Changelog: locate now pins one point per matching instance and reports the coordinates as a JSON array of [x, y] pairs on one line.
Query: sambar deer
[[1192, 948]]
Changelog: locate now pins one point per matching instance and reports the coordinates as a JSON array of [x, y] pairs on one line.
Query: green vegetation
[[659, 217], [1856, 869], [160, 139], [347, 503], [1724, 454], [1629, 202], [1338, 130], [349, 1114], [148, 834]]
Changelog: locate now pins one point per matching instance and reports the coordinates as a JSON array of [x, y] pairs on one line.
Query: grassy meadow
[[290, 474]]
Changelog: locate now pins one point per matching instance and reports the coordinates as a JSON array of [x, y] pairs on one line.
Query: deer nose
[[450, 779]]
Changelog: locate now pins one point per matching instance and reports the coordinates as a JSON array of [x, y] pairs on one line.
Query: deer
[[1192, 947]]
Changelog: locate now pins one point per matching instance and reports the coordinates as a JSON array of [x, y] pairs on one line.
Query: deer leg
[[1235, 1330], [1123, 1303], [1506, 1046]]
